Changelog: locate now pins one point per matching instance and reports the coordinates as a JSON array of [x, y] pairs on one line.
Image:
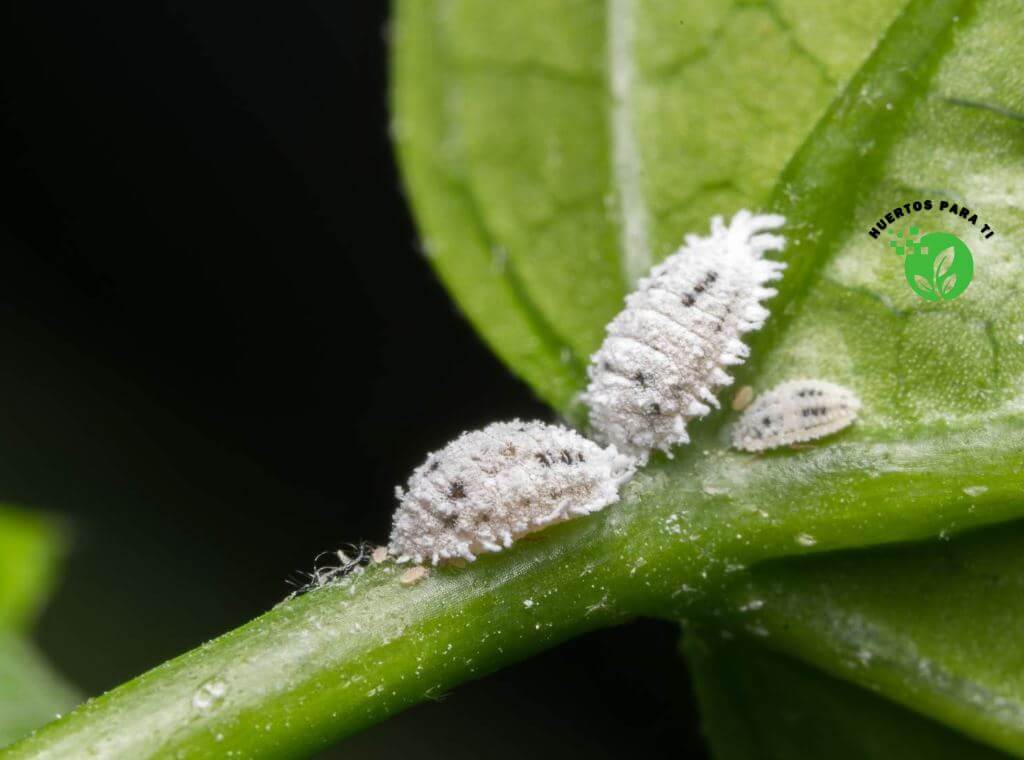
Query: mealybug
[[666, 353], [795, 411], [489, 487]]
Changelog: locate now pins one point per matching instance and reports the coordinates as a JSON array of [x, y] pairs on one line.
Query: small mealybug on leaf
[[667, 352], [793, 412], [489, 487]]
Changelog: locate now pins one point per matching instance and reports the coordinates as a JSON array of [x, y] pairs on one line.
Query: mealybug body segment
[[793, 412], [667, 352], [489, 487]]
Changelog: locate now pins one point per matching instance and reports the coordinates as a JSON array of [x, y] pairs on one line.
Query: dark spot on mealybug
[[653, 408], [457, 490], [434, 465], [709, 278], [806, 411], [580, 457], [483, 517], [641, 378], [687, 299], [509, 449], [698, 288], [767, 421], [449, 520], [566, 456], [543, 459], [801, 394]]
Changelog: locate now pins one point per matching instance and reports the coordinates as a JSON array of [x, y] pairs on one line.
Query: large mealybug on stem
[[489, 487]]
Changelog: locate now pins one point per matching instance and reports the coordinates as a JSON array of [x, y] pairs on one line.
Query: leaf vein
[[626, 162]]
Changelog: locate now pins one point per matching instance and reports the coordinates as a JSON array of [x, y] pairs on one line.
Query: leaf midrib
[[634, 242]]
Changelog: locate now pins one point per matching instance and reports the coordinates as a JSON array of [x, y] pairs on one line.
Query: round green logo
[[939, 266]]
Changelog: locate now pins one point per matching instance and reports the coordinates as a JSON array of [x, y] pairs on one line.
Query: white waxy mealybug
[[793, 412], [667, 352], [489, 487]]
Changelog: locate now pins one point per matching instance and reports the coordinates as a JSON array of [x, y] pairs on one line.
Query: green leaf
[[935, 626], [854, 320], [759, 705], [30, 547], [553, 148], [524, 114], [960, 143], [30, 694]]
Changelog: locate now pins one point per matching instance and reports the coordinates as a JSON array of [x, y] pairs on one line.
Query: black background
[[222, 350]]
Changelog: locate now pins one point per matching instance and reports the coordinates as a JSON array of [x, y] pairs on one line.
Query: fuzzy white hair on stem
[[667, 352], [344, 561]]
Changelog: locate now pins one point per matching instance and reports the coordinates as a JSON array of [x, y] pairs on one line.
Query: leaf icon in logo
[[941, 269], [924, 284], [943, 261]]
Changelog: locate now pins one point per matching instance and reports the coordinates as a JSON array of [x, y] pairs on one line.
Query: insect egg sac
[[667, 352], [488, 487]]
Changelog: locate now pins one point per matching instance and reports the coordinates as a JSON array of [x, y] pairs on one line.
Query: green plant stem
[[326, 664]]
